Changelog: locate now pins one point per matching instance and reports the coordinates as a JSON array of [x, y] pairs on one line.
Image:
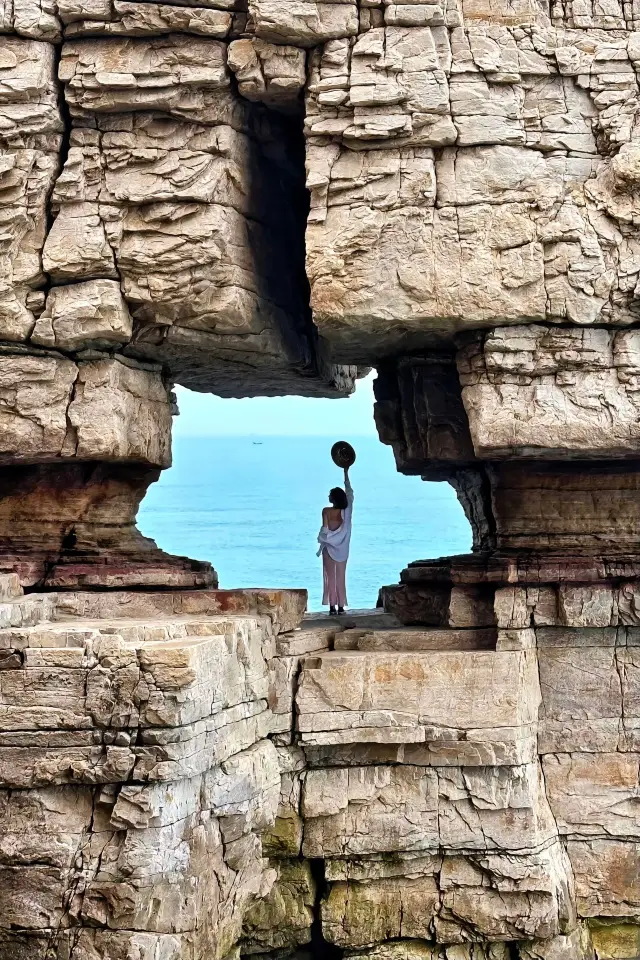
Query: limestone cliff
[[195, 774]]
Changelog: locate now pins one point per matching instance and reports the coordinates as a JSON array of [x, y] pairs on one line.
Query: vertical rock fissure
[[280, 267], [320, 948]]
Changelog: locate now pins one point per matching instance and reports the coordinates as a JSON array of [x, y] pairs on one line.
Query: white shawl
[[336, 542]]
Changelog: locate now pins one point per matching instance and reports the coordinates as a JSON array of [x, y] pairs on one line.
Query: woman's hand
[[346, 473]]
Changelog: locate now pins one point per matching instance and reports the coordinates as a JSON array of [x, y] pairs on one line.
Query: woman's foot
[[340, 611], [332, 611]]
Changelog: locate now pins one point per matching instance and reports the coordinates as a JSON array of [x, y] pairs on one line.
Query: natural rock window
[[189, 773], [250, 476]]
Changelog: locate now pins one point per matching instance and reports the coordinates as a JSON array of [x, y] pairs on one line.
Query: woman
[[334, 537]]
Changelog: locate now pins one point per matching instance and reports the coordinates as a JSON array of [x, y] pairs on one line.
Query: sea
[[252, 506]]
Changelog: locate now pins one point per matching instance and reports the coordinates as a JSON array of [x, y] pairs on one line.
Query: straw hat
[[343, 454]]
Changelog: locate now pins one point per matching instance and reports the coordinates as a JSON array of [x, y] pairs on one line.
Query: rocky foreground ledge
[[197, 774]]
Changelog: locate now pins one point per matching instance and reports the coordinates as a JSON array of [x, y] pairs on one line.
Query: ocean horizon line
[[273, 436]]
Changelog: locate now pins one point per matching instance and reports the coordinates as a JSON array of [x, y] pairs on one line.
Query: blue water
[[254, 510]]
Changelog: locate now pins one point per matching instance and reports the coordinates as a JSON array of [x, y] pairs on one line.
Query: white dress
[[336, 542]]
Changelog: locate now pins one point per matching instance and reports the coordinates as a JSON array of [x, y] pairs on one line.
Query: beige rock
[[576, 945], [377, 809], [613, 939], [472, 170], [84, 315], [494, 898], [594, 795], [367, 810], [595, 605], [284, 839], [267, 73], [549, 393], [522, 134], [502, 898], [360, 914], [421, 950], [121, 411], [582, 698], [31, 18], [140, 159], [26, 177], [181, 213], [136, 19], [494, 808], [76, 247], [606, 874], [162, 74], [404, 697], [28, 91], [305, 23], [466, 263], [283, 919], [37, 392], [99, 410], [190, 844]]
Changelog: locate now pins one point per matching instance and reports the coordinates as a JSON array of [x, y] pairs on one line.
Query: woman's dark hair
[[338, 498]]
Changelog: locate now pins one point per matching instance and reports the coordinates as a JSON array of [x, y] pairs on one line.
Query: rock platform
[[191, 774]]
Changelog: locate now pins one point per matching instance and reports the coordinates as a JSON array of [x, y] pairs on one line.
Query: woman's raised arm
[[347, 487]]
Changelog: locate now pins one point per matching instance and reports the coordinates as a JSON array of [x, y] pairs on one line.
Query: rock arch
[[185, 774]]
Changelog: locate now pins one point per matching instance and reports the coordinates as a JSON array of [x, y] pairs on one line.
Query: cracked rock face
[[194, 774], [467, 168], [153, 209]]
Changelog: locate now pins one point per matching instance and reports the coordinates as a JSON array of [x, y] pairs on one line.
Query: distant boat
[[257, 443]]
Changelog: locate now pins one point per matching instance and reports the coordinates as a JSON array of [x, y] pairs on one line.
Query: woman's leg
[[329, 593], [341, 583]]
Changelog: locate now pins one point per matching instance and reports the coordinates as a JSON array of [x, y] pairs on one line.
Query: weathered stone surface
[[606, 873], [84, 315], [615, 939], [268, 73], [463, 786], [284, 839], [576, 945], [552, 393], [282, 921], [72, 525], [564, 506], [594, 796], [26, 177], [530, 894], [352, 697], [137, 19], [147, 70], [28, 94], [510, 222], [96, 410], [375, 809], [188, 845], [303, 22], [227, 189], [422, 950]]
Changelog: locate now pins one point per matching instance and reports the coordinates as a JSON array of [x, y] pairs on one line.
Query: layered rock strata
[[136, 769], [536, 427], [190, 774], [153, 231], [186, 775]]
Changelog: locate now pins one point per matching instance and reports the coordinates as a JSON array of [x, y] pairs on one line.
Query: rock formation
[[195, 774]]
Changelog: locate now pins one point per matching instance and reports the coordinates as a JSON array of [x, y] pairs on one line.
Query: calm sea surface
[[253, 508]]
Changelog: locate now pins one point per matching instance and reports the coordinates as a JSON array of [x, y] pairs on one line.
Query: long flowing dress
[[334, 547]]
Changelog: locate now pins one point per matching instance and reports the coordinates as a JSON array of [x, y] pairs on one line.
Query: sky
[[203, 415]]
